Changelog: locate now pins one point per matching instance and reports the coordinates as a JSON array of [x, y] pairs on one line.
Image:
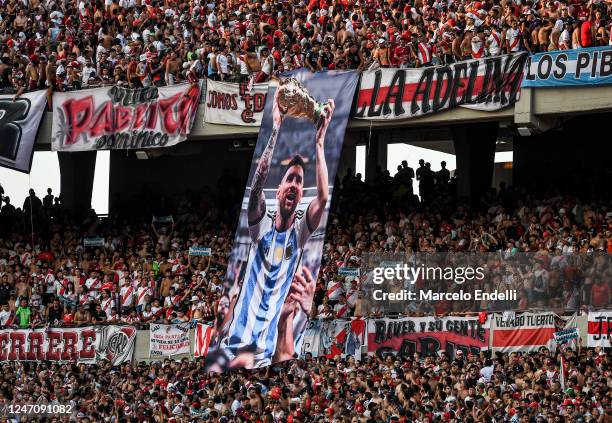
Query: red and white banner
[[83, 345], [113, 118], [600, 329], [427, 336], [332, 338], [167, 340], [523, 332], [234, 104], [202, 340], [489, 84]]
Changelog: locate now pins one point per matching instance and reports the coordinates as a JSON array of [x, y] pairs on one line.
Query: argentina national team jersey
[[273, 260]]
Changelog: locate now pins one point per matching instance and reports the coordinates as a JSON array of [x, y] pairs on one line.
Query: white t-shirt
[[512, 35], [222, 63], [4, 316]]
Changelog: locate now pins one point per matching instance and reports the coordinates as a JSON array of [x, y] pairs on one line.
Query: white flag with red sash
[[202, 340]]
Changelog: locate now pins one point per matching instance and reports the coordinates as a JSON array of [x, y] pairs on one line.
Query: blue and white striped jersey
[[273, 260]]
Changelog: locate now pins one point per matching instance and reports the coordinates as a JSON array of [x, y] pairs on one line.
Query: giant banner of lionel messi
[[270, 281]]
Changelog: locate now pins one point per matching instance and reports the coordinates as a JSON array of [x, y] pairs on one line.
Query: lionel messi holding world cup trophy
[[276, 291]]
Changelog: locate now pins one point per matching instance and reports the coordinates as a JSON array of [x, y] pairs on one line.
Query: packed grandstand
[[71, 45], [143, 275], [79, 292]]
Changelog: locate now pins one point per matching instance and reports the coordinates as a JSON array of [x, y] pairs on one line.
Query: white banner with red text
[[203, 335], [600, 329], [167, 340], [234, 103], [523, 332], [84, 345], [488, 84], [114, 118]]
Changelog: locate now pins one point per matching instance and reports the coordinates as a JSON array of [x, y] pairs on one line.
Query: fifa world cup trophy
[[294, 100]]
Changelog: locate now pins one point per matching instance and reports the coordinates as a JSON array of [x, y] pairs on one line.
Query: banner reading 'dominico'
[[234, 104], [277, 250], [121, 118], [487, 84], [84, 345], [427, 336], [600, 329], [523, 332], [19, 121], [570, 68], [167, 340]]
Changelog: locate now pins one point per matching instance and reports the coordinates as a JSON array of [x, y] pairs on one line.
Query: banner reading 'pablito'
[[273, 268], [486, 84], [427, 336], [113, 118], [83, 345], [234, 104]]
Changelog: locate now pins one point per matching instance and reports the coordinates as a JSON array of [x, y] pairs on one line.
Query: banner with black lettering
[[569, 68], [427, 336], [234, 104], [600, 329], [114, 118], [84, 345], [19, 122], [487, 84], [168, 340], [272, 272]]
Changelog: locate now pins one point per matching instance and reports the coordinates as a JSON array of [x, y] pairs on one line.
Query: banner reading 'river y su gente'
[[272, 272], [114, 118], [487, 84]]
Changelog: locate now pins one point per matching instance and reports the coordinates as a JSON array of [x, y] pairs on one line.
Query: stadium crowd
[[74, 44], [473, 388], [143, 272]]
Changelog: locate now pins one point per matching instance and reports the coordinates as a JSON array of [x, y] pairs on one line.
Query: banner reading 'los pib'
[[277, 250], [113, 118]]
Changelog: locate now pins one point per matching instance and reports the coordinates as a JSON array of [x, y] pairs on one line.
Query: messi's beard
[[287, 212]]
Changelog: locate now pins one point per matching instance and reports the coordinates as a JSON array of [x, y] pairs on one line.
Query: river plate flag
[[488, 84], [271, 276]]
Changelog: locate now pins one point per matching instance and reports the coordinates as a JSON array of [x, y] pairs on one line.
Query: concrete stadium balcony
[[537, 110]]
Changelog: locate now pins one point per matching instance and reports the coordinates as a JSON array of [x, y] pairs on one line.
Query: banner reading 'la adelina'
[[120, 118], [488, 84]]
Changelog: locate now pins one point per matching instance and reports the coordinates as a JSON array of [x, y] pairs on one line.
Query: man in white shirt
[[5, 315], [222, 63]]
